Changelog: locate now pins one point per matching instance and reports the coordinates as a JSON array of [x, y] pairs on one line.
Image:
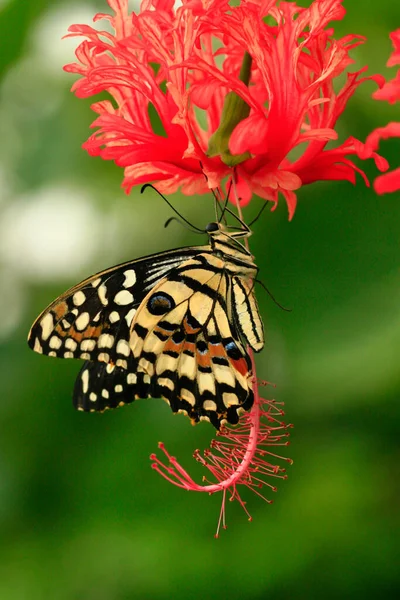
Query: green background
[[82, 515]]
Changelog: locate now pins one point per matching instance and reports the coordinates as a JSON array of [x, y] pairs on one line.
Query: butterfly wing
[[160, 327], [182, 340], [92, 319], [246, 314], [104, 385]]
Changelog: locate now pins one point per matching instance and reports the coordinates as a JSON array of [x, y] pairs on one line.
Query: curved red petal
[[388, 183]]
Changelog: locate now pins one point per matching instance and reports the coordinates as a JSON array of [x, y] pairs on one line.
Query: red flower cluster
[[209, 91], [390, 182]]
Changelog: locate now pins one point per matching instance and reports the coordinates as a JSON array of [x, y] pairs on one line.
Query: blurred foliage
[[82, 516]]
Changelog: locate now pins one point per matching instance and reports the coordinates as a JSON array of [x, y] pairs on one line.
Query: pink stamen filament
[[242, 468], [240, 459]]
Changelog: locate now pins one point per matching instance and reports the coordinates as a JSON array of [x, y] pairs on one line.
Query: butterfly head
[[216, 230], [224, 241]]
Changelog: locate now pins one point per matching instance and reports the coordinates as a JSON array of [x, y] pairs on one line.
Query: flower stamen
[[238, 457]]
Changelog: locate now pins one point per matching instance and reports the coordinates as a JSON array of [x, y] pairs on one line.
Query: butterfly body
[[173, 325]]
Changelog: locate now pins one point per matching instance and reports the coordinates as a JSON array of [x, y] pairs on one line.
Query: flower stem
[[234, 111]]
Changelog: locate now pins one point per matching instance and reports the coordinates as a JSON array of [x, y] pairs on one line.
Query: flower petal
[[390, 182]]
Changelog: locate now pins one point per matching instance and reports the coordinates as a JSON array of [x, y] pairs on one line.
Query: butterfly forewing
[[92, 320]]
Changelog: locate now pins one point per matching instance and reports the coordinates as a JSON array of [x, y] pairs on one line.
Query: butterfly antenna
[[272, 297], [243, 224], [218, 200], [225, 204], [168, 221], [146, 185], [216, 203], [259, 214]]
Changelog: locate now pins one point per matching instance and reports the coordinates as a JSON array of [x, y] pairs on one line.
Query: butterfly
[[174, 325]]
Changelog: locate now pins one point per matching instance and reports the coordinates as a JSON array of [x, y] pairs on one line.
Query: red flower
[[390, 182], [233, 95]]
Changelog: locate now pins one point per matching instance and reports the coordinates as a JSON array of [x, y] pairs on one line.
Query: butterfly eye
[[232, 350], [212, 227], [160, 303]]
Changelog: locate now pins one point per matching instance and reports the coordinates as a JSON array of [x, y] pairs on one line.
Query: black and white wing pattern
[[100, 386], [184, 349], [174, 325], [92, 319]]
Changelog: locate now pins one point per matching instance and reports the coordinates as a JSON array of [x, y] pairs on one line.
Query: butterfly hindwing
[[100, 386], [246, 314], [182, 339]]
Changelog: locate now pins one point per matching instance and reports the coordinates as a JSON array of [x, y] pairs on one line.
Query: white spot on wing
[[166, 382], [82, 321], [130, 278], [102, 291], [118, 388], [123, 348], [88, 345], [96, 282], [129, 316], [206, 383], [78, 298], [114, 316], [187, 366], [105, 393], [188, 396], [104, 357], [37, 347], [92, 396], [209, 405], [123, 298], [121, 363], [85, 381], [131, 378], [106, 340], [229, 399], [55, 342], [70, 344], [47, 325]]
